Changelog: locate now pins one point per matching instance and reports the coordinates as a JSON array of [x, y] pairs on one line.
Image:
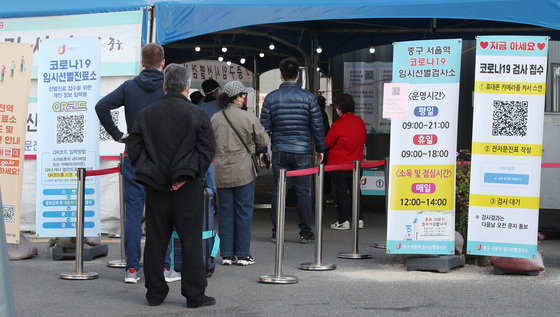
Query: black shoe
[[273, 239], [306, 238], [208, 301], [154, 302]]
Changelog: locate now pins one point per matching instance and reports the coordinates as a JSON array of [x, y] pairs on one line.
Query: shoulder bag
[[254, 157]]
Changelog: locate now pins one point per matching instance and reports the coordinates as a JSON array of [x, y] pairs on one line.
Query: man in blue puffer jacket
[[292, 118]]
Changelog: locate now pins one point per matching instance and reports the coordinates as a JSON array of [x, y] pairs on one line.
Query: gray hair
[[176, 78]]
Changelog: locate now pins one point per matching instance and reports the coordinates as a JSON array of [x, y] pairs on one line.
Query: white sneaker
[[171, 275], [229, 260], [131, 276], [341, 226], [360, 224], [246, 260]]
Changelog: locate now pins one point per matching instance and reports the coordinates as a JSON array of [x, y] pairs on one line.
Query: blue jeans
[[235, 216], [293, 161], [209, 178], [134, 197]]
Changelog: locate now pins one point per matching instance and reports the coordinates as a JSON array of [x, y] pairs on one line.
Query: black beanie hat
[[209, 86]]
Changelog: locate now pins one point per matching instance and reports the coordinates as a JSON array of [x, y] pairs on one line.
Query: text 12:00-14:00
[[423, 202]]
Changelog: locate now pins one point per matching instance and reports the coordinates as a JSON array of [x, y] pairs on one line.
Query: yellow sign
[[507, 149], [497, 87], [504, 201], [423, 187]]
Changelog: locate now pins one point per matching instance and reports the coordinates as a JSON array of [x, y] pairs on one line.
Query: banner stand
[[438, 263]]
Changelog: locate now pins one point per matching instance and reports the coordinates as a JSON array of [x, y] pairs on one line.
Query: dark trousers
[[342, 181], [184, 210], [293, 161]]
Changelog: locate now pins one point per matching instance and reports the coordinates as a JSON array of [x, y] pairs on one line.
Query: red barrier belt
[[103, 171], [550, 165], [339, 167], [335, 167], [373, 164], [307, 171]]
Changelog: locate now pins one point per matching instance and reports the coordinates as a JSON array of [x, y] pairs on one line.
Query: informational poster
[[219, 71], [373, 183], [509, 97], [119, 34], [364, 81], [421, 213], [68, 90], [395, 101], [384, 75], [14, 93]]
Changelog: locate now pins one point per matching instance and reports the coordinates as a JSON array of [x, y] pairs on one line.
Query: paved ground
[[376, 287], [380, 286]]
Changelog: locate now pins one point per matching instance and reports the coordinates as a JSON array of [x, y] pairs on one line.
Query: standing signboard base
[[89, 253], [498, 271], [439, 263]]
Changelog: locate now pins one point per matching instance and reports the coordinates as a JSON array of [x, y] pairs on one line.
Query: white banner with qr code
[[509, 97], [68, 90]]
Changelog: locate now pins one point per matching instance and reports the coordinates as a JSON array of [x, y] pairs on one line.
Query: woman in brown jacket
[[235, 173]]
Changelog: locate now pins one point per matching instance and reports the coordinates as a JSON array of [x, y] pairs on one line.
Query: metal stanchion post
[[122, 262], [383, 245], [355, 215], [277, 278], [318, 266], [79, 275]]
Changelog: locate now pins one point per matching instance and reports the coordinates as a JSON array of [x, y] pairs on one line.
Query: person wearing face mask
[[237, 133], [345, 143]]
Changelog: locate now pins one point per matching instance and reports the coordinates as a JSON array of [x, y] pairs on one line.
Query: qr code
[[368, 74], [70, 129], [103, 135], [9, 213], [510, 118], [396, 91]]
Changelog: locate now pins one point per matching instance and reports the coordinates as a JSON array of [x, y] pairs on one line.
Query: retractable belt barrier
[[82, 173], [278, 278]]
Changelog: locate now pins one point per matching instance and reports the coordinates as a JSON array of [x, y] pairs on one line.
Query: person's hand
[[176, 185], [123, 138], [263, 158], [319, 157]]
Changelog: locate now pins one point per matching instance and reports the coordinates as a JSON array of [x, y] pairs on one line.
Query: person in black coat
[[170, 147]]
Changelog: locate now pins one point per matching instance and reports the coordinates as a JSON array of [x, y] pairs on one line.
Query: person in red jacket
[[345, 143]]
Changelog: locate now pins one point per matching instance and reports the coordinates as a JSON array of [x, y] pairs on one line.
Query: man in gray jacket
[[292, 118]]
